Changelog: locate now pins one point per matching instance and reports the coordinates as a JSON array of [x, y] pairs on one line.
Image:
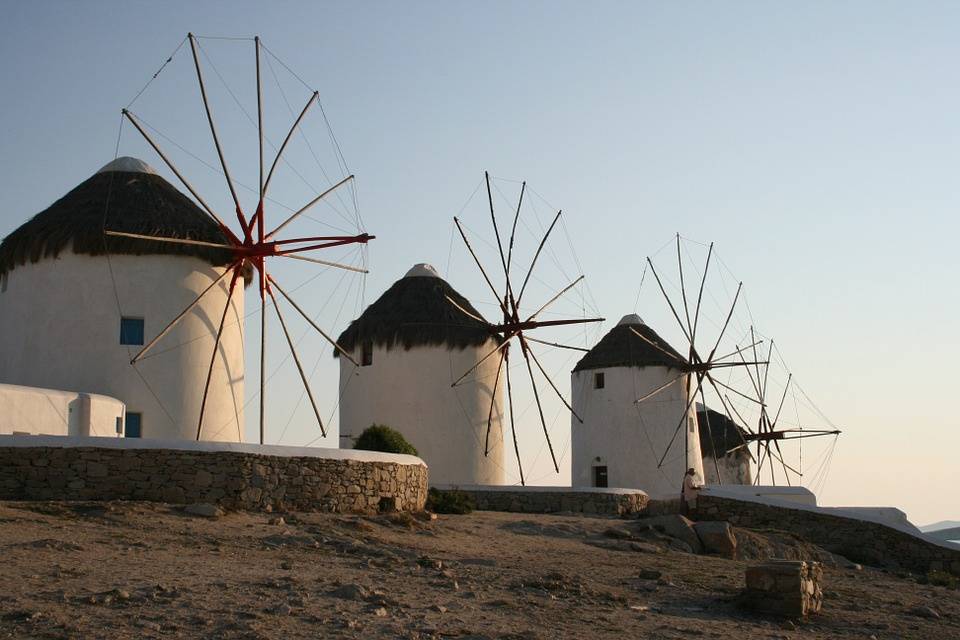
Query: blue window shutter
[[131, 331], [134, 425]]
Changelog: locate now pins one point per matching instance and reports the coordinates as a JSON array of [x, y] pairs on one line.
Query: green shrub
[[943, 579], [378, 437], [452, 501]]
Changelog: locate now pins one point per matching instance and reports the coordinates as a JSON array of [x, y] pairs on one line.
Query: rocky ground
[[140, 570]]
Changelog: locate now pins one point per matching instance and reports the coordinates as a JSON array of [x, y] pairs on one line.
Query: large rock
[[717, 537], [676, 526]]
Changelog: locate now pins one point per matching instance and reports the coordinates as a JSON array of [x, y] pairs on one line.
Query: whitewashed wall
[[33, 411], [734, 469], [410, 392], [629, 438], [60, 329]]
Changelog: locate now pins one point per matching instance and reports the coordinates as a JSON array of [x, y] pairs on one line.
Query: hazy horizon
[[816, 145]]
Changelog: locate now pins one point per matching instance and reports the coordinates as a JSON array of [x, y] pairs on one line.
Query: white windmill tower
[[621, 440], [75, 305], [409, 344]]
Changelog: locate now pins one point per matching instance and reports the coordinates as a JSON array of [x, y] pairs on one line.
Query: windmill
[[750, 390], [767, 432], [252, 244], [515, 326]]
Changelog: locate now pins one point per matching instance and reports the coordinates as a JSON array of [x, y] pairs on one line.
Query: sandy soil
[[139, 570]]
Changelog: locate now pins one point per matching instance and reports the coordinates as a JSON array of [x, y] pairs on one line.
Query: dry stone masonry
[[230, 479], [789, 588], [858, 540], [548, 500]]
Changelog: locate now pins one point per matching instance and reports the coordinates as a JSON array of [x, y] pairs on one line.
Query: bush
[[942, 579], [378, 437], [452, 501]]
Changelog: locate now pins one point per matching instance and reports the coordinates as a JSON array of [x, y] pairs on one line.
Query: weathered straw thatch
[[414, 312], [726, 433], [132, 202], [621, 347]]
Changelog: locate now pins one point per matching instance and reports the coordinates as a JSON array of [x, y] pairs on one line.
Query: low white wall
[[798, 495], [357, 455], [35, 411]]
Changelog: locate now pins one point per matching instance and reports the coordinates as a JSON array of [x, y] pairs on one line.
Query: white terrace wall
[[60, 329], [29, 410]]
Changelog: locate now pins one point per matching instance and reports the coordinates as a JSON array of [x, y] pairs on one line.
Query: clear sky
[[816, 143]]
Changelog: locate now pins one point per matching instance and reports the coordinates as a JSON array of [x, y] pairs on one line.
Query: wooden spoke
[[726, 323], [216, 347], [480, 266], [273, 167], [779, 457], [786, 387], [493, 402], [727, 406], [296, 359], [226, 230], [502, 346], [703, 281], [556, 344], [683, 422], [713, 444], [198, 243], [536, 397], [513, 427], [536, 255], [550, 381], [660, 388], [683, 291], [263, 358], [256, 46], [313, 324], [653, 344], [742, 395], [213, 131], [336, 265], [667, 298], [555, 298], [464, 311], [496, 231], [182, 314], [307, 206], [737, 352], [513, 230]]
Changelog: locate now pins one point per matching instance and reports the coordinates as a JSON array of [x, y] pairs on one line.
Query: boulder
[[717, 537], [204, 510], [791, 588], [676, 526]]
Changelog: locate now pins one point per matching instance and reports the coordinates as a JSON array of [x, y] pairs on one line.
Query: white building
[[48, 412], [621, 441], [77, 305], [722, 445], [412, 343]]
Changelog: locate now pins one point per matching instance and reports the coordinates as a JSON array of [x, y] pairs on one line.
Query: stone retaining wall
[[550, 500], [861, 541], [232, 479]]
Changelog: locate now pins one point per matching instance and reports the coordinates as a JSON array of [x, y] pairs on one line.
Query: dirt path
[[139, 570]]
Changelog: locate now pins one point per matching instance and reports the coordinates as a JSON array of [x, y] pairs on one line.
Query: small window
[[134, 425], [691, 424], [600, 476], [598, 380], [3, 282], [131, 330], [366, 358]]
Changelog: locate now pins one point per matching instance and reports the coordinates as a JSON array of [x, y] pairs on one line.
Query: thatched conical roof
[[415, 312], [726, 433], [125, 195], [621, 347]]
